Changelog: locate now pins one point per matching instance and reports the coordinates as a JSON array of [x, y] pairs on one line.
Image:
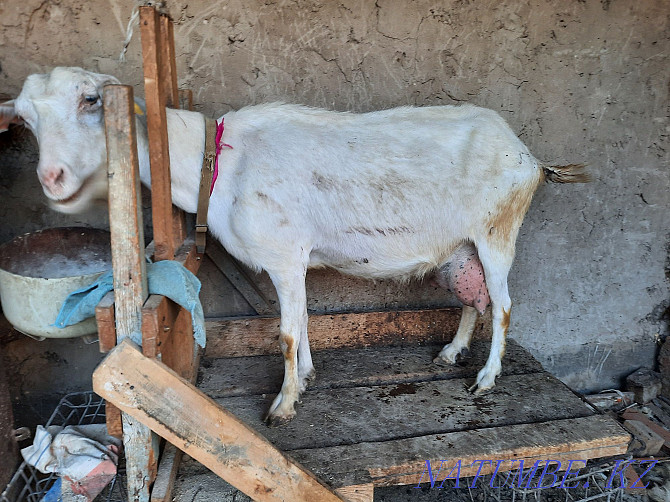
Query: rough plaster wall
[[579, 81]]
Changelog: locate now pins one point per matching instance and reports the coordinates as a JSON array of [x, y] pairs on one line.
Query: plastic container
[[40, 269]]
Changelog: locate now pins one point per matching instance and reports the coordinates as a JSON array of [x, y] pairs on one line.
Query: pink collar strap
[[219, 146]]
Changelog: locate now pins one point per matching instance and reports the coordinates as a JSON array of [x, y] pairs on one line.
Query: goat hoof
[[277, 420], [477, 390], [306, 380], [446, 357]]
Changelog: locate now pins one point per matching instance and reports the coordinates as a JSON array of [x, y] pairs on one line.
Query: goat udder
[[463, 275]]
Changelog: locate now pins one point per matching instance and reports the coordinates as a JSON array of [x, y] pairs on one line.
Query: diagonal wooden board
[[170, 406]]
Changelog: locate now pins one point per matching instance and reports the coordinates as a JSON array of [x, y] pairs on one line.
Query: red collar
[[219, 146]]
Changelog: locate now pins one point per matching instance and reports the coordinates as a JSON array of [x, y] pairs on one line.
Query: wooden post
[[159, 155], [128, 263], [168, 69], [193, 422]]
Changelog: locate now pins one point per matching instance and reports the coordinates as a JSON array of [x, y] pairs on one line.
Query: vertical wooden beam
[[128, 263], [170, 89], [104, 317], [169, 67], [161, 196], [125, 209]]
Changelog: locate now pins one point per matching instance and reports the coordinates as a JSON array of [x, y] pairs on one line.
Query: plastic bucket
[[40, 269]]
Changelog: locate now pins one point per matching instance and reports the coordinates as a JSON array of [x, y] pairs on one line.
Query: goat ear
[[8, 116]]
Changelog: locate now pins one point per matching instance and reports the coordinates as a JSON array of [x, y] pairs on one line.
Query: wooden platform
[[375, 415]]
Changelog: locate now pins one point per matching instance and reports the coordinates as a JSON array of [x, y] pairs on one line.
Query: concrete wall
[[579, 81]]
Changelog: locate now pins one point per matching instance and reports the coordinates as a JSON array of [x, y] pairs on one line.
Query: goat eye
[[91, 99]]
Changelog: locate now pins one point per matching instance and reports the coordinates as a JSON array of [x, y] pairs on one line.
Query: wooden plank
[[167, 329], [157, 396], [161, 196], [254, 336], [357, 493], [104, 317], [340, 368], [158, 318], [168, 72], [403, 461], [167, 473], [187, 255], [128, 263], [113, 420], [125, 210], [346, 416], [239, 278], [169, 67], [180, 351]]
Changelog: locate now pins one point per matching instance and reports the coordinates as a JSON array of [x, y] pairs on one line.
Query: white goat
[[389, 194]]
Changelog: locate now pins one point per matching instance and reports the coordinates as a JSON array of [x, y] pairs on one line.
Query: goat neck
[[186, 140]]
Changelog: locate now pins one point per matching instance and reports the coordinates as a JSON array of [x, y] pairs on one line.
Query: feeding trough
[[40, 269]]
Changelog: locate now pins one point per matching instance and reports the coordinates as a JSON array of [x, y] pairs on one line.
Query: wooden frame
[[129, 310]]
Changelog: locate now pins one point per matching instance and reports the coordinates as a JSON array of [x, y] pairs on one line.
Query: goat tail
[[573, 173]]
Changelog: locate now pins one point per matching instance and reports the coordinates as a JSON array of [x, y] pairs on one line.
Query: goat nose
[[53, 177]]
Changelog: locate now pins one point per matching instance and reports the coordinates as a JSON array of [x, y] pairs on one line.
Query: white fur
[[389, 194]]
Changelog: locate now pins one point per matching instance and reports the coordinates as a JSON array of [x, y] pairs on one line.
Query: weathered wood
[[167, 329], [239, 278], [344, 416], [125, 209], [168, 69], [161, 196], [254, 336], [187, 255], [180, 351], [104, 317], [104, 311], [113, 420], [157, 396], [340, 368], [403, 461], [167, 473], [158, 317], [357, 493], [646, 442], [128, 263]]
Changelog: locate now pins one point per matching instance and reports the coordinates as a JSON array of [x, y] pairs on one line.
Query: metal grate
[[30, 485]]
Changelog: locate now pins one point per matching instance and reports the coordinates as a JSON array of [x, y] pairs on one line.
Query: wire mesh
[[30, 485]]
